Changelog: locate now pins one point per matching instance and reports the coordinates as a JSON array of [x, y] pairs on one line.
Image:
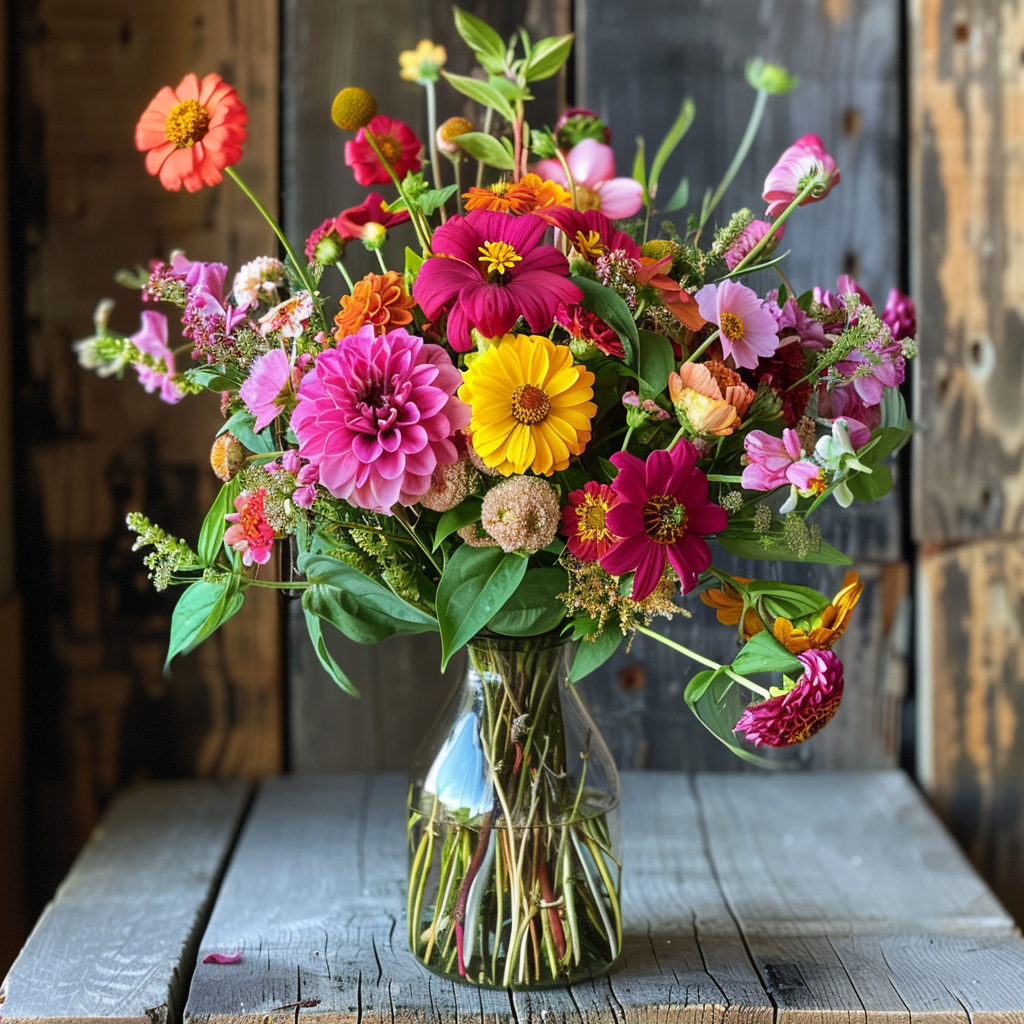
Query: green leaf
[[216, 378], [413, 261], [640, 167], [680, 197], [211, 536], [884, 441], [486, 148], [240, 425], [612, 309], [788, 599], [534, 608], [488, 46], [592, 654], [871, 486], [657, 361], [741, 540], [463, 514], [483, 92], [547, 56], [199, 611], [679, 128], [430, 201], [763, 653], [893, 409], [360, 607], [475, 583], [316, 636]]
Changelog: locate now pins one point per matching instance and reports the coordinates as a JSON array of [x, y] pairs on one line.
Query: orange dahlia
[[190, 134], [378, 299], [525, 196]]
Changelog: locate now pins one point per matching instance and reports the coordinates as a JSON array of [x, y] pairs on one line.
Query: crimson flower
[[489, 269], [397, 143], [584, 521], [661, 515], [590, 232], [351, 223]]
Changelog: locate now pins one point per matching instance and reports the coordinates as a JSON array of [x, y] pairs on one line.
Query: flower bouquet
[[530, 438]]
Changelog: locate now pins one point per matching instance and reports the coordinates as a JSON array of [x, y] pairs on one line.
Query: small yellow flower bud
[[659, 248], [353, 108], [226, 456], [451, 130]]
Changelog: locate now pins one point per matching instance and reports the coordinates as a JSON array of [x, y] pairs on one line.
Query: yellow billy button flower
[[531, 404], [422, 64], [353, 108]]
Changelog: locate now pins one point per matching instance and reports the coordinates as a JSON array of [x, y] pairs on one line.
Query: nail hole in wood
[[851, 264], [961, 31], [632, 678], [943, 386], [125, 35], [853, 121]]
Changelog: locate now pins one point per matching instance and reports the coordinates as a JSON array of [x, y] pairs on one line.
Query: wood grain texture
[[94, 449], [971, 650], [118, 940], [967, 180], [745, 899]]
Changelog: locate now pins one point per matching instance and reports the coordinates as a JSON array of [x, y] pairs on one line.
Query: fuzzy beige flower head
[[521, 514]]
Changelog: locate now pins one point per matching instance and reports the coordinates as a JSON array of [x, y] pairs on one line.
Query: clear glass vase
[[514, 864]]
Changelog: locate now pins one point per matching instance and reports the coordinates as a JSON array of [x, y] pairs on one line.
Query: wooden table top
[[747, 898]]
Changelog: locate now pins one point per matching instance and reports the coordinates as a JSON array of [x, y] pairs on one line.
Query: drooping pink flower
[[262, 389], [793, 322], [748, 329], [489, 269], [775, 461], [585, 521], [592, 166], [398, 145], [250, 533], [376, 416], [749, 237], [661, 514], [806, 158], [351, 223], [590, 232], [798, 713], [900, 315], [210, 318], [876, 365], [323, 244], [839, 298], [152, 339]]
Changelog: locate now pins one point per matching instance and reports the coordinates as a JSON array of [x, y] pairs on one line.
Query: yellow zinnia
[[422, 64], [531, 405], [825, 629]]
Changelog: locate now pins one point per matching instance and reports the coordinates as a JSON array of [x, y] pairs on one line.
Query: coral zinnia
[[828, 626], [397, 143], [748, 329], [250, 533], [353, 222], [729, 606], [530, 193], [661, 515], [531, 405], [490, 269], [378, 299], [585, 521], [591, 233], [795, 714], [376, 416], [698, 395], [190, 134]]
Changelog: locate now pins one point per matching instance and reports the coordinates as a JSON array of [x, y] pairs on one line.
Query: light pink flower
[[262, 389], [152, 339], [804, 159], [376, 416], [592, 166], [749, 331], [775, 461], [250, 533]]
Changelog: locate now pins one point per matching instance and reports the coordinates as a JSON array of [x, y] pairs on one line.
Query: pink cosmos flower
[[152, 339], [250, 533], [900, 315], [748, 329], [376, 416], [799, 713], [592, 166], [488, 270], [396, 141], [749, 237], [804, 159], [661, 514], [351, 223], [776, 461], [262, 389]]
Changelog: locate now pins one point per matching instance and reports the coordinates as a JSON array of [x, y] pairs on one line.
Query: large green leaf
[[788, 599], [546, 57], [316, 636], [592, 654], [871, 486], [488, 46], [763, 653], [612, 309], [211, 536], [201, 609], [534, 608], [463, 514], [483, 92], [657, 361], [240, 425], [741, 540], [486, 148], [475, 584]]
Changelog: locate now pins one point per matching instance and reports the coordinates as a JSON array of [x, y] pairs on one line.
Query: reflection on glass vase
[[514, 865]]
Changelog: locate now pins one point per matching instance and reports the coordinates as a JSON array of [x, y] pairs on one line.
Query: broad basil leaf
[[763, 653], [592, 654], [463, 514], [657, 361], [201, 609], [211, 536], [316, 636]]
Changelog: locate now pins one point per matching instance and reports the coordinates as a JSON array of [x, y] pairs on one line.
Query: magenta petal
[[649, 571], [624, 556], [689, 556], [222, 958], [440, 280], [706, 518]]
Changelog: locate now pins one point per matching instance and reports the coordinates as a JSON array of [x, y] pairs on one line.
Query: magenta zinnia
[[376, 416], [489, 269], [796, 714], [661, 514]]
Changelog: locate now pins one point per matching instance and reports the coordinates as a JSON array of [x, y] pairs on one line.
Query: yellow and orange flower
[[728, 604], [827, 627], [422, 64], [531, 404], [525, 196], [712, 396], [378, 299]]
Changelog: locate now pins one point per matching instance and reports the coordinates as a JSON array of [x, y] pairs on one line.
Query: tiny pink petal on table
[[223, 958]]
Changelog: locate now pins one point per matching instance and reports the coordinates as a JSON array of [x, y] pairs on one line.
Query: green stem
[[486, 131], [278, 584], [399, 514], [380, 260], [344, 273], [415, 215], [625, 440], [719, 478], [560, 156], [703, 347], [428, 85], [776, 224]]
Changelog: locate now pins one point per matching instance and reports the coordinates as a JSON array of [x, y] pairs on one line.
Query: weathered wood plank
[[96, 449], [971, 652], [118, 940]]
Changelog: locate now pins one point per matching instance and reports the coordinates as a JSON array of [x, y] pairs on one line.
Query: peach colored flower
[[728, 604], [827, 627], [695, 391]]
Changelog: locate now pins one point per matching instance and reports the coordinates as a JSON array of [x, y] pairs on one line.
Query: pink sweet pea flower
[[748, 329], [775, 461], [804, 159], [592, 166], [899, 315], [152, 339]]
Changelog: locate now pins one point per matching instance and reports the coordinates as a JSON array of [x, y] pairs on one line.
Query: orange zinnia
[[728, 605], [824, 630], [525, 196], [378, 299], [190, 134]]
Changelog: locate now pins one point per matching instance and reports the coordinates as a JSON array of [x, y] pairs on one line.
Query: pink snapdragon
[[804, 160], [152, 340], [592, 166], [748, 238], [748, 329]]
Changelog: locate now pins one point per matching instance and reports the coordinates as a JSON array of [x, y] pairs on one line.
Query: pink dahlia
[[250, 533], [799, 712], [749, 237], [592, 166], [263, 389], [489, 269], [376, 416], [748, 329], [775, 461], [398, 145], [152, 340], [353, 222], [805, 159], [661, 514]]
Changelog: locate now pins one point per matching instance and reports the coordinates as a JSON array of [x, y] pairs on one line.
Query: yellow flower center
[[530, 404], [586, 198], [187, 124], [664, 518], [499, 257], [389, 147], [732, 326], [589, 245], [591, 515]]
